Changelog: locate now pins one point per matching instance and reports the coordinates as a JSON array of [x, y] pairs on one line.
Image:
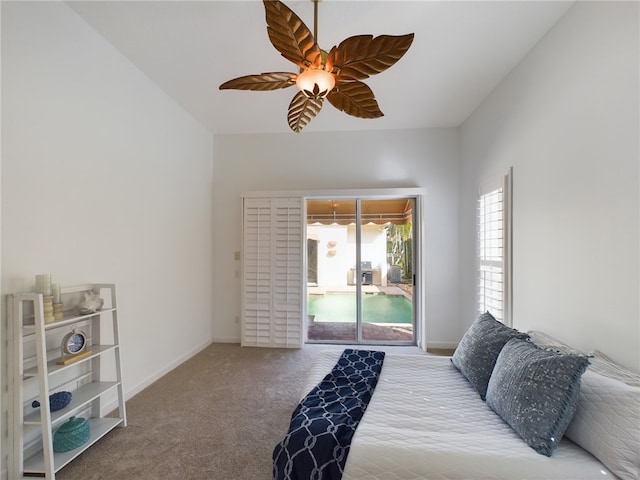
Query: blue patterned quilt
[[324, 422]]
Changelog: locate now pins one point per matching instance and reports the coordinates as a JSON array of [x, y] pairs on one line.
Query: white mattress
[[425, 421]]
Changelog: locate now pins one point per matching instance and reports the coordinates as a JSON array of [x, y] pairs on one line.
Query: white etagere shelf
[[31, 328], [53, 367], [94, 380]]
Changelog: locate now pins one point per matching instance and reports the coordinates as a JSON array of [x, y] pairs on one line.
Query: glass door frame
[[417, 195]]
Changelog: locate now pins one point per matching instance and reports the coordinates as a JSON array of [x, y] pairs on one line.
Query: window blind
[[491, 253], [272, 272]]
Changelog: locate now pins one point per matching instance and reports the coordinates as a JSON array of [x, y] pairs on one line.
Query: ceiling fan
[[335, 75]]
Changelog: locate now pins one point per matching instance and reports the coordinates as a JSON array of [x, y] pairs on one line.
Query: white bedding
[[425, 421]]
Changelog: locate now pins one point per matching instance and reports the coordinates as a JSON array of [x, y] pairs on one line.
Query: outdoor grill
[[367, 273]]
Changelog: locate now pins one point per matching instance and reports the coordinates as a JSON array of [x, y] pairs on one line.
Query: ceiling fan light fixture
[[315, 82], [346, 65]]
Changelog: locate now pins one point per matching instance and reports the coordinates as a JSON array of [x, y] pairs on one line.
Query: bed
[[425, 420]]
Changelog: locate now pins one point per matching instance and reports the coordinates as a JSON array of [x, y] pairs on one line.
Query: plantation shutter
[[493, 244], [490, 234], [272, 272]]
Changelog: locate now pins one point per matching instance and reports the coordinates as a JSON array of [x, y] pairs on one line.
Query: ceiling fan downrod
[[316, 82], [315, 20]]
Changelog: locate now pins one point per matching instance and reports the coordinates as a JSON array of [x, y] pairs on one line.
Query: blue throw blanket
[[324, 422]]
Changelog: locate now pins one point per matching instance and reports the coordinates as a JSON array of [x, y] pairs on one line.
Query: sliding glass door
[[360, 276]]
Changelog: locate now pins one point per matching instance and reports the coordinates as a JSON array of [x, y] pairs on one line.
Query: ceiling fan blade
[[361, 56], [302, 110], [261, 82], [290, 36], [356, 99]]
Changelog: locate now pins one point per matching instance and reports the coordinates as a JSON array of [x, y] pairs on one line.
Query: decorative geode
[[91, 303]]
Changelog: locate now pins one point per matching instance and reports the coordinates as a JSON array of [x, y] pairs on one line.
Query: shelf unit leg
[[116, 338], [15, 370], [43, 382]]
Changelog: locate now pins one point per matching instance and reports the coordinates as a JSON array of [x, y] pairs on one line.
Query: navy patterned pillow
[[536, 392], [479, 348]]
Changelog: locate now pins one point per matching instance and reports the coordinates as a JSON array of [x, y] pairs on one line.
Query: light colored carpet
[[218, 416]]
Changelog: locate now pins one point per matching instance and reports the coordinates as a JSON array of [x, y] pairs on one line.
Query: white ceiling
[[461, 52]]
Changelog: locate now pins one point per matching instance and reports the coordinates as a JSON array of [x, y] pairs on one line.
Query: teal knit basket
[[70, 435]]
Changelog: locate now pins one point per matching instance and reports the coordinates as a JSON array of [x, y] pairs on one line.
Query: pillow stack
[[533, 389]]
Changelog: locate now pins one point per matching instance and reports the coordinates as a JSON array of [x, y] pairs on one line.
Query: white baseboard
[[447, 345]]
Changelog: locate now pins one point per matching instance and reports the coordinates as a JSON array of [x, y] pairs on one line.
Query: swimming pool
[[376, 308]]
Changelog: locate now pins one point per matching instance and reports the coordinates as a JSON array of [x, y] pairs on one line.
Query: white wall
[[105, 179], [567, 120], [356, 160], [332, 269]]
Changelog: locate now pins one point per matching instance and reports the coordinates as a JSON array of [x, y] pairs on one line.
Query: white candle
[[43, 284], [55, 288]]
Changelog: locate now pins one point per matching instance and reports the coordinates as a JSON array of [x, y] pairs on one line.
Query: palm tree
[[399, 247]]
